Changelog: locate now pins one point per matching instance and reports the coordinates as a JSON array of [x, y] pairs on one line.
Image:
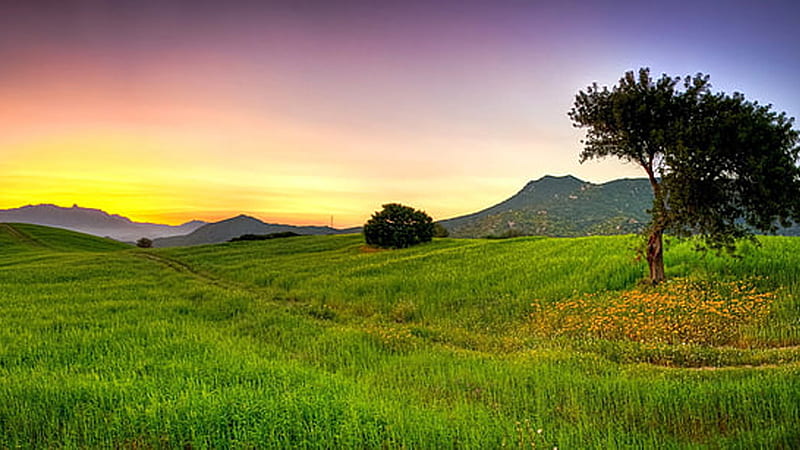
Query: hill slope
[[94, 221], [567, 207], [562, 206], [227, 229], [21, 237]]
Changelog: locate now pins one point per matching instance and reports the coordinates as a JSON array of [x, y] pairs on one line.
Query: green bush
[[398, 226], [144, 243]]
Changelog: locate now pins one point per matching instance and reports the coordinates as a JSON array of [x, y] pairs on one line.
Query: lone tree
[[398, 226], [720, 166]]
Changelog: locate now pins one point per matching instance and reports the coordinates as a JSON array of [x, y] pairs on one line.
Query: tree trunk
[[655, 244], [655, 256]]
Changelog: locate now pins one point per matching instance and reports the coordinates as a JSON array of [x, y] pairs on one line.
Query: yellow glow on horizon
[[131, 174], [198, 158], [171, 177]]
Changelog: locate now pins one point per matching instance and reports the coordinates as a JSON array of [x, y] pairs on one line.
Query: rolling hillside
[[15, 237], [318, 342]]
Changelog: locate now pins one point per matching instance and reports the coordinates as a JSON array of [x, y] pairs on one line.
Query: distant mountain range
[[95, 222], [566, 206], [100, 223], [225, 230], [550, 206]]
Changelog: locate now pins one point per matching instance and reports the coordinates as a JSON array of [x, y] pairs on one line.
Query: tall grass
[[316, 342], [469, 283]]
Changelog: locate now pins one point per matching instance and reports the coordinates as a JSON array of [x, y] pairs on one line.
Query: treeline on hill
[[264, 237]]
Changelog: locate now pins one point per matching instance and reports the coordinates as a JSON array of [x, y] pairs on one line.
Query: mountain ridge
[[94, 221], [562, 206], [227, 229], [566, 206]]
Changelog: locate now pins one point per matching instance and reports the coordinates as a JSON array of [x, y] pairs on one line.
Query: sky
[[319, 112]]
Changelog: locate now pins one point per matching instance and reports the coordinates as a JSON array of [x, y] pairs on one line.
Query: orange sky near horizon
[[167, 153]]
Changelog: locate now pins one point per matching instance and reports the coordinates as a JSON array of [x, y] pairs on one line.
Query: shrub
[[144, 243], [264, 237], [398, 226]]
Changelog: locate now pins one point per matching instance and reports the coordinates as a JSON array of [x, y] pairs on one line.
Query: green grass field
[[319, 342]]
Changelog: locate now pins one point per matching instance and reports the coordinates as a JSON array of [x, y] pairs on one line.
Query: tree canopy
[[720, 166], [398, 226]]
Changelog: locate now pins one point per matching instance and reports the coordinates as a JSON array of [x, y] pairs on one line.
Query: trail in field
[[188, 270], [742, 366], [20, 236]]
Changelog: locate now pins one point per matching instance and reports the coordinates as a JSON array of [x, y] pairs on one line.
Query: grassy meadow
[[320, 342]]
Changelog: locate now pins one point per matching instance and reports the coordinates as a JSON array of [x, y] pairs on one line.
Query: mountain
[[94, 221], [565, 207], [225, 230], [562, 206]]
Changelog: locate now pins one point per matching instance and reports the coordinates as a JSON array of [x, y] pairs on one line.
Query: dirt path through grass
[[742, 366], [183, 268], [15, 233]]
